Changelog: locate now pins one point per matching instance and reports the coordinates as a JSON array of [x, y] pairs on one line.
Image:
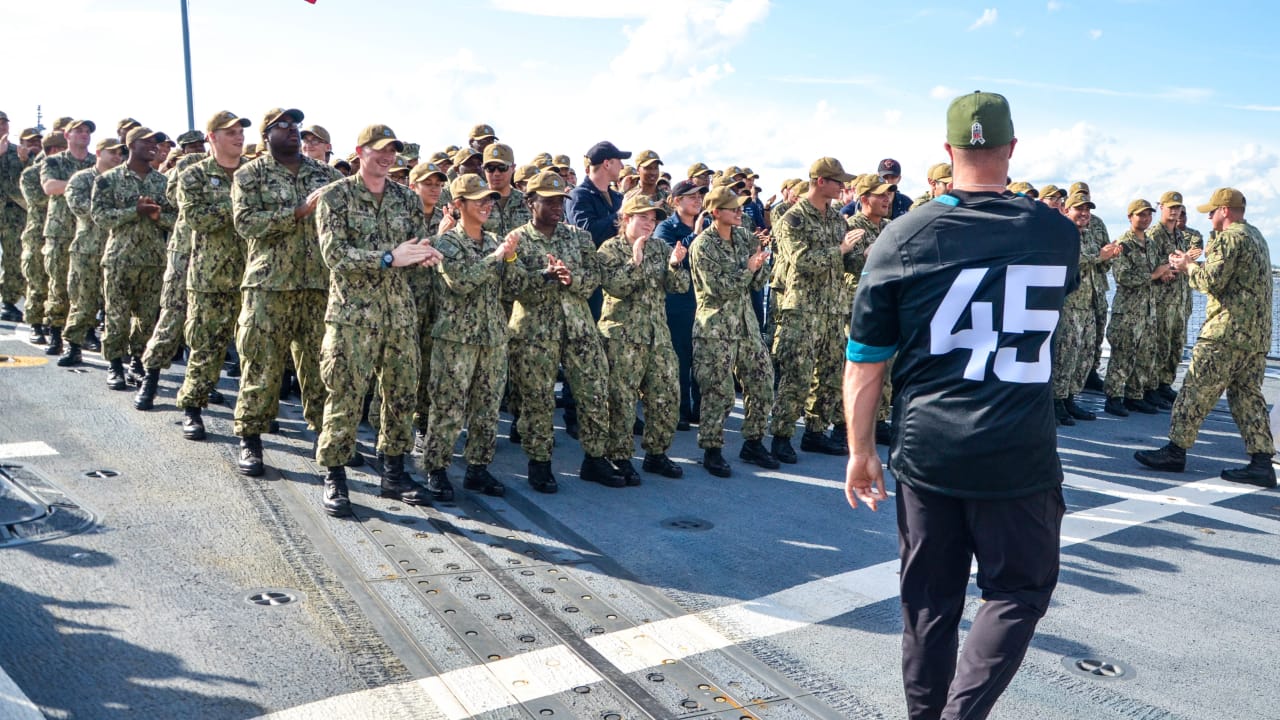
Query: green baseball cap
[[412, 150], [471, 187], [979, 120], [191, 136]]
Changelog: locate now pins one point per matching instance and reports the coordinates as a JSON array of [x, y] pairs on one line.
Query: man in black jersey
[[966, 290]]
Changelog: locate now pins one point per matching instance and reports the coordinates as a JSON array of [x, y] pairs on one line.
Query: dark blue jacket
[[593, 211], [672, 231]]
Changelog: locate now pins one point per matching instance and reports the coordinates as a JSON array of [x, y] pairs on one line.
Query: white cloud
[[614, 9], [892, 117], [1054, 6], [942, 92], [988, 18], [1095, 34]]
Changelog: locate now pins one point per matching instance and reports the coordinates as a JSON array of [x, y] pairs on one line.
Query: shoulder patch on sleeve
[[793, 220], [949, 200]]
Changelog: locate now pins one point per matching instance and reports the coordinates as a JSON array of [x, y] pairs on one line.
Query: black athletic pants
[[1016, 544]]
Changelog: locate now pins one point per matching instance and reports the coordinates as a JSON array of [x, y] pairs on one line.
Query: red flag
[[313, 2]]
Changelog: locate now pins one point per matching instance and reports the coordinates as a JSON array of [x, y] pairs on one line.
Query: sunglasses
[[282, 125], [497, 168]]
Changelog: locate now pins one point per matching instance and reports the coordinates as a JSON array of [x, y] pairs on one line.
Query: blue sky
[[1134, 97]]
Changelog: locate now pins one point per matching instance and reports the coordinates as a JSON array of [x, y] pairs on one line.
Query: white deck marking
[[34, 448]]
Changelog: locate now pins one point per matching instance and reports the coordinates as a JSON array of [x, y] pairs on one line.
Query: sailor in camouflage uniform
[[130, 204], [285, 283], [33, 238], [727, 264], [637, 271], [875, 202], [939, 177], [372, 232], [1098, 238], [1230, 353], [84, 268], [13, 156], [551, 326], [1132, 329], [427, 180], [1173, 299], [811, 241], [215, 265], [469, 341], [60, 224]]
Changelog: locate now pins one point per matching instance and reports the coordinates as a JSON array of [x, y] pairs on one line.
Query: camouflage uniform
[[1132, 329], [59, 229], [854, 262], [133, 258], [508, 214], [928, 196], [1097, 237], [777, 211], [421, 281], [371, 318], [551, 325], [1171, 321], [469, 348], [214, 269], [285, 289], [84, 270], [725, 337], [33, 243], [1230, 353], [168, 335], [637, 343], [810, 312], [13, 216], [1073, 339]]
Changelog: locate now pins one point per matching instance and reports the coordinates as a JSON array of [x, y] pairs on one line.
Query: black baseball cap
[[685, 187], [605, 150], [889, 166]]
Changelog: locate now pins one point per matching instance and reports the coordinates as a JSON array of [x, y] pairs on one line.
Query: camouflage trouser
[[57, 260], [347, 355], [1100, 315], [168, 335], [12, 283], [1216, 367], [715, 363], [37, 278], [210, 327], [533, 379], [422, 411], [273, 324], [1072, 351], [1173, 318], [466, 389], [84, 295], [806, 348], [1130, 339], [131, 302], [648, 373]]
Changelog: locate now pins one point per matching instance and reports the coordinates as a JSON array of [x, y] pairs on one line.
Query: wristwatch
[[387, 259]]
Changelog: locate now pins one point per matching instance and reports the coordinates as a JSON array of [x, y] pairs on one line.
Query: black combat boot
[[192, 424], [337, 503], [251, 455], [637, 427], [1169, 458], [1061, 414], [396, 483], [571, 427], [661, 464], [541, 478], [514, 435], [1156, 400], [439, 486], [1115, 406], [1076, 411], [215, 397], [115, 375], [1167, 392], [479, 479], [782, 450], [596, 469], [70, 356], [91, 341], [627, 471], [1258, 472], [754, 452], [10, 312], [55, 342], [817, 442], [38, 335], [356, 460], [146, 397], [136, 373], [1140, 405], [840, 438], [1094, 382], [713, 460]]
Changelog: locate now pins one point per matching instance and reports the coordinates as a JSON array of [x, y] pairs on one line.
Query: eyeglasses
[[283, 125], [496, 168]]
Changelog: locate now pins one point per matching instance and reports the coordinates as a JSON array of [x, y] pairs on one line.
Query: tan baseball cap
[[1173, 198], [562, 161], [751, 174], [1022, 187], [830, 168], [224, 119], [191, 136], [871, 184], [141, 133], [276, 114], [378, 137], [126, 124], [722, 198], [54, 140], [109, 143], [499, 153], [316, 130], [1138, 206], [525, 173], [1079, 186], [30, 133], [940, 172], [93, 127], [727, 181], [439, 158], [62, 123], [471, 187], [647, 157], [1223, 197], [482, 131], [547, 183], [1051, 191], [1077, 199], [636, 204], [424, 170], [462, 155], [697, 170]]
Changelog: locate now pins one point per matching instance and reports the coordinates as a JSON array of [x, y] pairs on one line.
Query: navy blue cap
[[889, 166], [605, 150], [685, 187]]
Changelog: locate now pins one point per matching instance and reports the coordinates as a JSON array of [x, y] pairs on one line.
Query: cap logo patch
[[215, 182], [386, 132], [975, 134]]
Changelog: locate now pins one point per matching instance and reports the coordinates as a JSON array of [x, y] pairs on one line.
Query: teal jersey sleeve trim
[[951, 200], [859, 353]]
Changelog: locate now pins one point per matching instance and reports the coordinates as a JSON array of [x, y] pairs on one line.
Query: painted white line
[[34, 448], [14, 704], [491, 686]]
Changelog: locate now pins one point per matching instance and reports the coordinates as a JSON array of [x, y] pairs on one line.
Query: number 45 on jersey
[[982, 337]]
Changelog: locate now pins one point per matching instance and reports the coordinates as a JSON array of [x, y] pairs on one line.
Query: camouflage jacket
[[34, 198], [1237, 279], [808, 245], [1081, 299], [1194, 238], [422, 279], [356, 230], [1098, 236], [545, 310], [635, 298], [1135, 290], [470, 283], [216, 264], [1166, 243], [10, 173], [777, 211], [180, 237], [723, 285], [59, 223], [509, 216], [89, 238], [132, 239], [920, 200], [282, 250], [856, 259]]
